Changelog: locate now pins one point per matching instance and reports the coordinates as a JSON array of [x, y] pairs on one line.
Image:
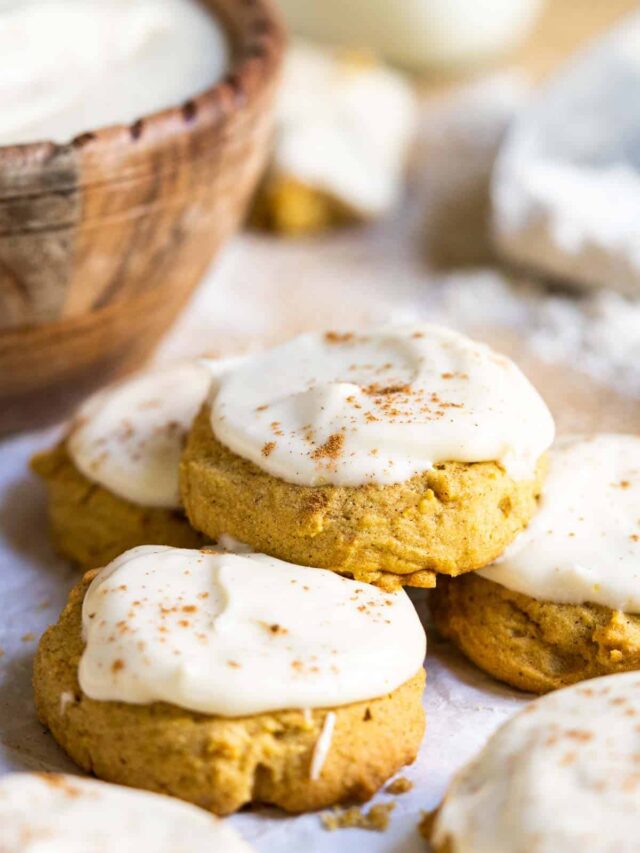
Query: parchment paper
[[262, 291]]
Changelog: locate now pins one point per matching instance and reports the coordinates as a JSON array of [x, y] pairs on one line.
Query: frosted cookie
[[53, 812], [228, 679], [561, 775], [113, 481], [344, 125], [563, 603], [389, 455]]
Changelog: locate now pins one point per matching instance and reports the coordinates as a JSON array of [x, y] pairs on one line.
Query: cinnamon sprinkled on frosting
[[56, 812], [268, 635], [418, 396], [129, 437], [562, 774], [583, 546], [331, 449]]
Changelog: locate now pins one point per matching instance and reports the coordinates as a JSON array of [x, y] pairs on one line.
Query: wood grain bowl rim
[[257, 47]]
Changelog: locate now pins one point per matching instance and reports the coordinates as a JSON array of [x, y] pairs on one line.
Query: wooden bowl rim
[[257, 54]]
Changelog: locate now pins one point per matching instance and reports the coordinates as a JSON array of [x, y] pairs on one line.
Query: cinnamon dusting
[[338, 337], [331, 449]]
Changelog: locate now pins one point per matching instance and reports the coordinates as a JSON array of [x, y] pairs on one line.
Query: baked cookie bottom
[[222, 764], [452, 519], [91, 526], [284, 205], [534, 645]]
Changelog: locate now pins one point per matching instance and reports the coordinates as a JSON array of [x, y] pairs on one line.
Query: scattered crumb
[[1, 652], [268, 448], [426, 824], [28, 638], [376, 819], [399, 786]]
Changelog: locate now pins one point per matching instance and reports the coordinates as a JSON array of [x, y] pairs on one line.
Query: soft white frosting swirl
[[561, 775], [54, 813], [71, 66], [231, 634], [379, 407], [584, 543], [129, 437]]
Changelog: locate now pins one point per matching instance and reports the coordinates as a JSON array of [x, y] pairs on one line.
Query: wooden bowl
[[103, 239]]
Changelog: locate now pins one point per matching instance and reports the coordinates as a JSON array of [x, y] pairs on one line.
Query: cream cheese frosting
[[54, 813], [231, 634], [561, 775], [380, 407], [129, 437], [584, 543], [349, 139], [70, 66]]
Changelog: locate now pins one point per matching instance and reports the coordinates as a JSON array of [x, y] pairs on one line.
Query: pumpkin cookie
[[69, 813], [560, 775], [389, 456], [228, 679], [113, 481], [341, 155], [563, 604]]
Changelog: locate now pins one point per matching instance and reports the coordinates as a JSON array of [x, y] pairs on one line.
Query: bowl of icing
[[132, 133]]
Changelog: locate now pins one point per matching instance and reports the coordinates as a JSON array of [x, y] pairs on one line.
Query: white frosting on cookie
[[344, 128], [52, 813], [129, 437], [380, 407], [584, 543], [561, 775], [232, 634]]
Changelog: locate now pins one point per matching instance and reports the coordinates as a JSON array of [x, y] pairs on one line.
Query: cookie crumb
[[425, 826], [376, 819], [268, 448], [28, 638], [399, 786]]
